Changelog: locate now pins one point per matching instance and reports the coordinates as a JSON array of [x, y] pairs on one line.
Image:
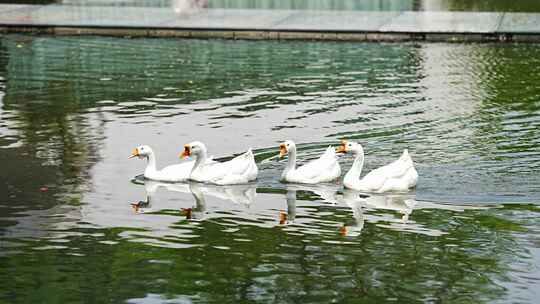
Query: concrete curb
[[273, 35]]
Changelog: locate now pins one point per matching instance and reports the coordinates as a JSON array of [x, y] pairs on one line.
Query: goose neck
[[200, 158], [291, 161], [356, 168], [151, 166]]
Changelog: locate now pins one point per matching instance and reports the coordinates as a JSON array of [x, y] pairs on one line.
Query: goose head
[[285, 147], [350, 146], [193, 148], [141, 152]]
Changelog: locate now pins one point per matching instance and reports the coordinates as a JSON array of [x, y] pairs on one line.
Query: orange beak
[[342, 148], [282, 218], [186, 153], [134, 153], [282, 150], [135, 207]]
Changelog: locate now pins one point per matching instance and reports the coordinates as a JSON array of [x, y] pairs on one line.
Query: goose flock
[[400, 175]]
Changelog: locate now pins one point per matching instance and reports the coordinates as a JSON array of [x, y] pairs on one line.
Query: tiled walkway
[[271, 24]]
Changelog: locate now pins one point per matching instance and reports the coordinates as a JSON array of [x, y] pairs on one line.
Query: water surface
[[76, 226]]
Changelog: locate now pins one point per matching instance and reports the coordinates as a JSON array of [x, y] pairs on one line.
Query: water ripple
[[72, 109]]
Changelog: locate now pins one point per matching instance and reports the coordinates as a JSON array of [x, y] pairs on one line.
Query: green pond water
[[77, 226]]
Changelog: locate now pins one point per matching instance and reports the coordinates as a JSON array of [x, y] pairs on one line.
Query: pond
[[77, 226]]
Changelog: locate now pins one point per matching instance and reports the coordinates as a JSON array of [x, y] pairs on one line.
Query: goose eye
[[192, 147], [287, 145]]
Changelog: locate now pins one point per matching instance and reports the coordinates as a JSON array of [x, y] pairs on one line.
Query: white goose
[[399, 175], [324, 169], [239, 170], [173, 173]]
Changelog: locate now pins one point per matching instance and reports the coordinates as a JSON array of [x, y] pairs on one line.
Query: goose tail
[[330, 152], [249, 153], [405, 155]]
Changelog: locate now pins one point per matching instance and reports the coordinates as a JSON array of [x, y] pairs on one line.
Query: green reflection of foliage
[[504, 124], [58, 143], [499, 224], [275, 265], [527, 207]]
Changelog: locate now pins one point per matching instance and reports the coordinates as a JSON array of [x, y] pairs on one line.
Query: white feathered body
[[324, 169], [399, 175], [173, 173], [239, 170]]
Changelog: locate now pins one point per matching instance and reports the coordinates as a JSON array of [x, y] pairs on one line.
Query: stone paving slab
[[520, 23], [86, 16], [272, 24], [343, 21], [12, 7], [448, 22], [228, 19]]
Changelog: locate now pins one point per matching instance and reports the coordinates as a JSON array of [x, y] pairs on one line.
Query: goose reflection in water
[[326, 192], [151, 187], [360, 203], [356, 201], [289, 216], [243, 195], [375, 209], [198, 211], [363, 205], [239, 194], [403, 204]]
